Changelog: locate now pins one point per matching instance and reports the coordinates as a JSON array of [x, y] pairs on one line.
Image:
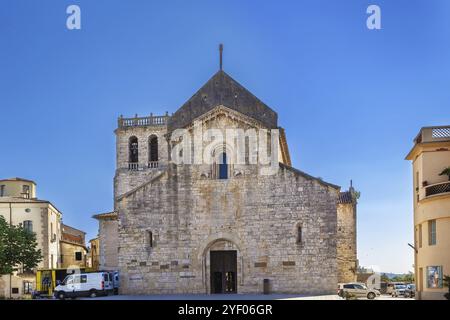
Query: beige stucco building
[[430, 156], [73, 248], [19, 205]]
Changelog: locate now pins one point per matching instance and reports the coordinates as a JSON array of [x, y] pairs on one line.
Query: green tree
[[408, 277], [17, 247], [384, 278], [446, 172]]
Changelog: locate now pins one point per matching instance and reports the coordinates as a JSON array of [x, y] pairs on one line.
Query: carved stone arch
[[220, 148], [223, 156], [214, 239], [220, 242]]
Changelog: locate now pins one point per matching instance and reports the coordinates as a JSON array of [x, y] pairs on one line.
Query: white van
[[85, 285]]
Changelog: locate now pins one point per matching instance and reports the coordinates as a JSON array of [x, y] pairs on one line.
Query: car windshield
[[64, 282], [400, 286]]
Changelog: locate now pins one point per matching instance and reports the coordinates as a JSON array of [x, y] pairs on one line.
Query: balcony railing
[[153, 164], [433, 134], [133, 166], [438, 188], [143, 121]]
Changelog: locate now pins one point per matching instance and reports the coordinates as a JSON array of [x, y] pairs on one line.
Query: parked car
[[391, 286], [399, 290], [410, 291], [357, 290], [85, 285]]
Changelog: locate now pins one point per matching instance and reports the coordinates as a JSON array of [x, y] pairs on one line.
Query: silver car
[[398, 290], [357, 290]]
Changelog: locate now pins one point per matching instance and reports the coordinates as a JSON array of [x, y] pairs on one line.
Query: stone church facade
[[224, 227]]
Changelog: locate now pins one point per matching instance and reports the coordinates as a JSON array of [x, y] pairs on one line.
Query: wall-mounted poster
[[434, 274]]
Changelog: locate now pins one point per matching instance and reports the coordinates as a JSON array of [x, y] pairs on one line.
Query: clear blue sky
[[350, 99]]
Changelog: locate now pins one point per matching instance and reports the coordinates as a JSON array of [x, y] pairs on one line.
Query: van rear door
[[116, 279], [107, 281]]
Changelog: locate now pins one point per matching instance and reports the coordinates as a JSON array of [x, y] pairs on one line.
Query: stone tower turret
[[346, 235], [141, 151]]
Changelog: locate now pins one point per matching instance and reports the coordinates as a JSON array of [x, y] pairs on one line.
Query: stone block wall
[[126, 180], [186, 214], [346, 242], [108, 239]]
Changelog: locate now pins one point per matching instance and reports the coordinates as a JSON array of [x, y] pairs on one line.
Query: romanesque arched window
[[133, 150], [223, 166], [153, 151]]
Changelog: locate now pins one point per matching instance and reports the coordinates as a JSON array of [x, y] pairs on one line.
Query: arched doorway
[[222, 266], [223, 271]]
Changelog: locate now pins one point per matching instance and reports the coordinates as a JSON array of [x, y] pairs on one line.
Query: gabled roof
[[70, 230], [74, 244], [221, 89], [308, 177], [221, 110]]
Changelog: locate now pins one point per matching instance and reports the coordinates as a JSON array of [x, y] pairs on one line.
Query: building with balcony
[[19, 205], [430, 157]]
